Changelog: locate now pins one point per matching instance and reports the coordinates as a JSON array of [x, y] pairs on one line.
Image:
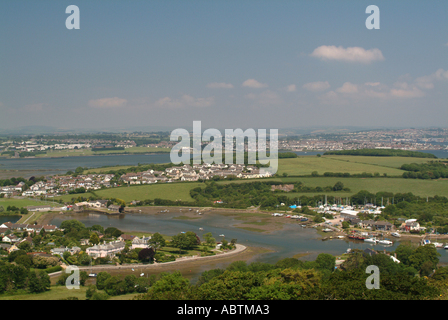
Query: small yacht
[[385, 241], [371, 240], [438, 244], [396, 234]]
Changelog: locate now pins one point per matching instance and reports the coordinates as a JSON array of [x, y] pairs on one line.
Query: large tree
[[157, 241], [181, 241]]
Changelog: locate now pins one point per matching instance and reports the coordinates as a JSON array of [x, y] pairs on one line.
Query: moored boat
[[356, 237], [385, 241], [438, 244], [371, 240]]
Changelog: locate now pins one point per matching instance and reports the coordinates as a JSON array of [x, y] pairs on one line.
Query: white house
[[104, 250], [140, 243]]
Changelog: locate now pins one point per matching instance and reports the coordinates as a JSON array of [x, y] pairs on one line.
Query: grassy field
[[301, 166], [20, 203], [391, 162], [55, 293], [396, 185], [105, 169], [306, 165], [169, 191]]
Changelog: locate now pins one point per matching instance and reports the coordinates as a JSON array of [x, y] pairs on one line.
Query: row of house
[[26, 227], [112, 248], [406, 226], [371, 224], [55, 185], [193, 173]]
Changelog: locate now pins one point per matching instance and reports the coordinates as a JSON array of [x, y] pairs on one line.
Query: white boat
[[385, 241], [327, 230], [446, 247], [221, 235], [396, 234], [371, 240], [341, 237], [438, 244]]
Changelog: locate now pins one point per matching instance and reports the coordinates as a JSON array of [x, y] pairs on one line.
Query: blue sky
[[230, 64]]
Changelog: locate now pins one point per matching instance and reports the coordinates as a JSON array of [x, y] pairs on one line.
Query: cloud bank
[[351, 54]]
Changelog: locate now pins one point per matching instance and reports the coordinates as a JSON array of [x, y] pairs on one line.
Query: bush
[[53, 269]]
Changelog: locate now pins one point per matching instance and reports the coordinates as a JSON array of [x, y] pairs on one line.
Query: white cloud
[[317, 86], [219, 85], [252, 83], [441, 74], [351, 54], [427, 82], [108, 103], [348, 88], [372, 84], [185, 101], [291, 88], [404, 90]]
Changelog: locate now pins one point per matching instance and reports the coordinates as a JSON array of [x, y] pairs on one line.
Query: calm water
[[286, 243], [12, 219]]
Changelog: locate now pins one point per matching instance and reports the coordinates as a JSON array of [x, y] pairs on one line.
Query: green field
[[105, 169], [301, 166], [306, 165], [391, 162], [55, 293], [20, 203], [168, 191], [421, 188]]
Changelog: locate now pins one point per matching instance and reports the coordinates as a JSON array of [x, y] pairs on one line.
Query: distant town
[[106, 143]]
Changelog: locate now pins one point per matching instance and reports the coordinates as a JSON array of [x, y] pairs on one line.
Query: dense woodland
[[430, 170], [416, 277], [293, 279]]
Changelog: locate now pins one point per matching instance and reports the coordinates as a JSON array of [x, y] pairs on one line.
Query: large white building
[[104, 250]]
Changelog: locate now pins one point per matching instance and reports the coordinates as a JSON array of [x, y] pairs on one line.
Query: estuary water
[[48, 166], [292, 240], [28, 167]]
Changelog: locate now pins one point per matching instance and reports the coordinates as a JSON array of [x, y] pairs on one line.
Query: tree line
[[382, 153], [430, 170], [292, 279]]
